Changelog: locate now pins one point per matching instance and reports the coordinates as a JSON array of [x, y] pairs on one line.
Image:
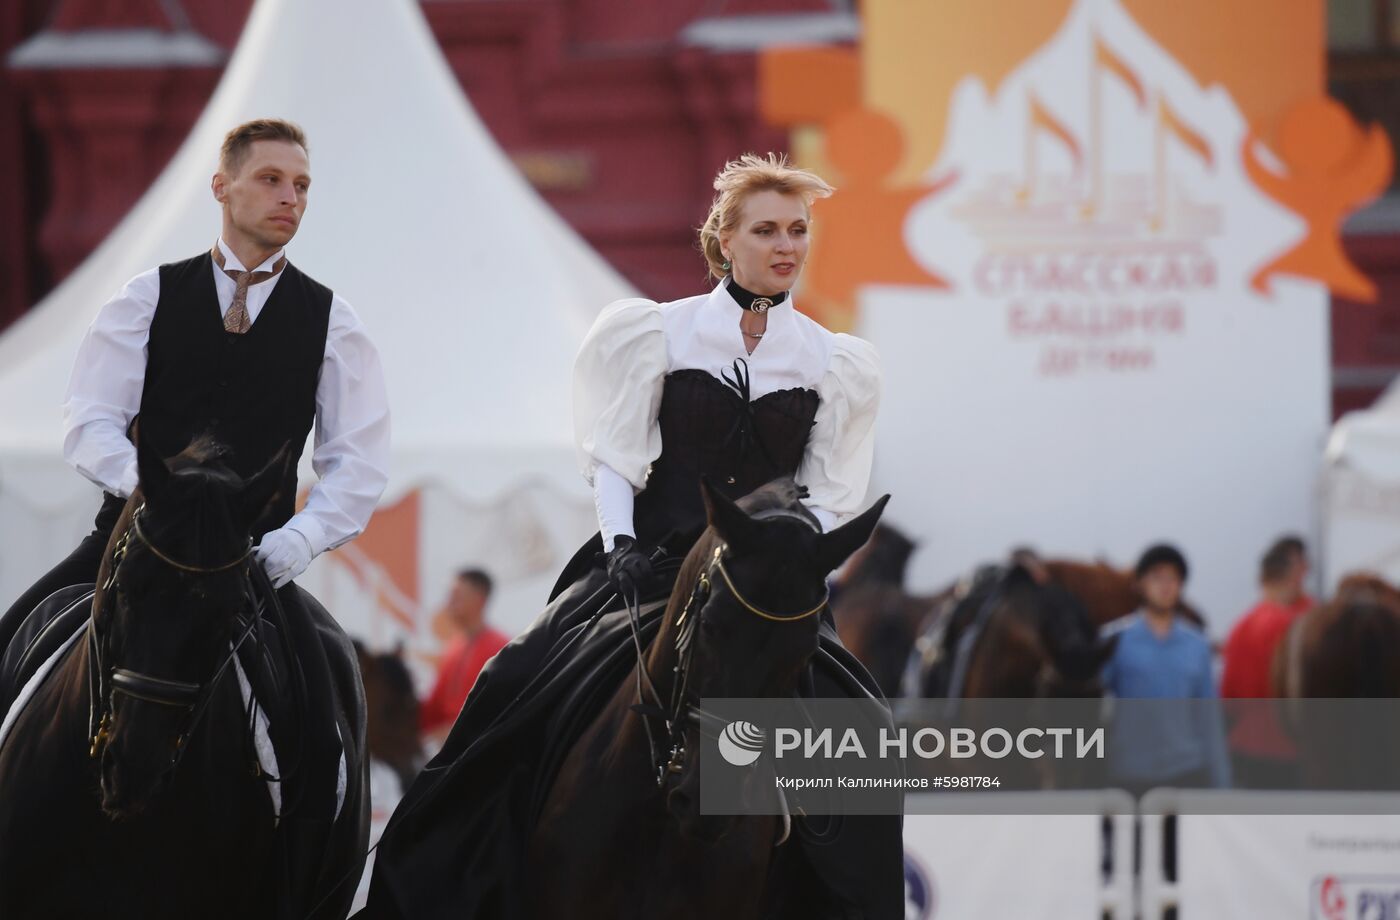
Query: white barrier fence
[[1342, 863], [1070, 855]]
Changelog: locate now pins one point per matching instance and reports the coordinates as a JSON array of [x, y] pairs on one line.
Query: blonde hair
[[740, 178], [239, 142]]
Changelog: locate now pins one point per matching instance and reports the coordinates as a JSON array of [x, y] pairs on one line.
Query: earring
[[725, 265]]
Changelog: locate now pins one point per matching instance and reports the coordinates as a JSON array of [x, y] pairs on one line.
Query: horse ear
[[264, 488], [728, 519], [836, 547], [152, 470]]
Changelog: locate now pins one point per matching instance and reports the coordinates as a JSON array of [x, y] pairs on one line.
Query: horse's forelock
[[780, 494], [204, 450]]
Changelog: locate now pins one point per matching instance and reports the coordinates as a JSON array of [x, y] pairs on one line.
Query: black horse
[[743, 620], [131, 782]]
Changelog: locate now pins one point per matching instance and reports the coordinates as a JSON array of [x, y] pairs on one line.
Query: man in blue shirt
[[1160, 656]]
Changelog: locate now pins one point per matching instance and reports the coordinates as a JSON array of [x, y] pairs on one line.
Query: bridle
[[683, 711], [104, 683]]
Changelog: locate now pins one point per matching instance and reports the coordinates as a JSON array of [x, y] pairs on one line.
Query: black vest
[[253, 392], [712, 428]]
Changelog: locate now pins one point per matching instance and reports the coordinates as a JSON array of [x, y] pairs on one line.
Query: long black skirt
[[456, 845]]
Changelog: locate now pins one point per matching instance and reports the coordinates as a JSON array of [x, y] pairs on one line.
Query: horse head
[[882, 561], [392, 712], [1074, 654], [743, 619], [174, 586]]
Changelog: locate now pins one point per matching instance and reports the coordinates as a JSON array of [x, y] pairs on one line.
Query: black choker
[[751, 301]]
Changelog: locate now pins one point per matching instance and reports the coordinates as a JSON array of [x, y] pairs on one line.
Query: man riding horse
[[237, 344]]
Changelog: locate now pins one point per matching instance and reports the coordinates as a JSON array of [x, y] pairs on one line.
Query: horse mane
[[205, 450], [1105, 592]]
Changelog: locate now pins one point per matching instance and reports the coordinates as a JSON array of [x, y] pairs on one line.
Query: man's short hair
[[239, 141], [1162, 554], [478, 579], [1280, 558]]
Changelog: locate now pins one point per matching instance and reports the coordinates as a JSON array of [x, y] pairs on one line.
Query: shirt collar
[[1172, 632], [231, 262]]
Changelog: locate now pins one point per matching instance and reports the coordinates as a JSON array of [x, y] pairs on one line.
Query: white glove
[[284, 554]]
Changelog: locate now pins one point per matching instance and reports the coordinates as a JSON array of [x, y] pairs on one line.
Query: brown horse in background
[[902, 637], [877, 619], [393, 713], [1014, 633], [1039, 636], [1345, 649]]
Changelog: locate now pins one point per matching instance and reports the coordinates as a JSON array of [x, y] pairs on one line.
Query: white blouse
[[621, 370]]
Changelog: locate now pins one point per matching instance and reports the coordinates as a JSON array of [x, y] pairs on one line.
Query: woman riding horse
[[743, 622], [734, 385]]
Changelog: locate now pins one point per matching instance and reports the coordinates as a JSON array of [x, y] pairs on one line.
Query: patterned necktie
[[236, 319]]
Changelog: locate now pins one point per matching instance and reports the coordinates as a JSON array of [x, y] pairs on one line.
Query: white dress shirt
[[351, 453], [634, 344]]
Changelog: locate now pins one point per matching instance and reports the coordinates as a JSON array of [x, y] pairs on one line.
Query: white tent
[[475, 291], [1361, 493]]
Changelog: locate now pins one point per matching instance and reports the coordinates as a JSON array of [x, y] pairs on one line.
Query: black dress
[[457, 841]]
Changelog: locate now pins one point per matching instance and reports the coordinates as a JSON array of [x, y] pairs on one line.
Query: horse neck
[[65, 697], [1106, 594], [661, 658], [1005, 660]]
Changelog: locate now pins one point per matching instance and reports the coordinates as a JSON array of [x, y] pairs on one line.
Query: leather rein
[[684, 711]]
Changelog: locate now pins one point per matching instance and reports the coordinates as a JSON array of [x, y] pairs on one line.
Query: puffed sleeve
[[836, 468], [618, 377]]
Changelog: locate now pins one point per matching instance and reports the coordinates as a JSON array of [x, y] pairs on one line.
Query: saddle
[[266, 665], [957, 634], [62, 614], [39, 638]]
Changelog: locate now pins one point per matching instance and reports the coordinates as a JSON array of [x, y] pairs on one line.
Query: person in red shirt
[[471, 645], [1263, 754]]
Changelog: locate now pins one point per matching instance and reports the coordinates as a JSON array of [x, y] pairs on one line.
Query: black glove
[[628, 567]]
